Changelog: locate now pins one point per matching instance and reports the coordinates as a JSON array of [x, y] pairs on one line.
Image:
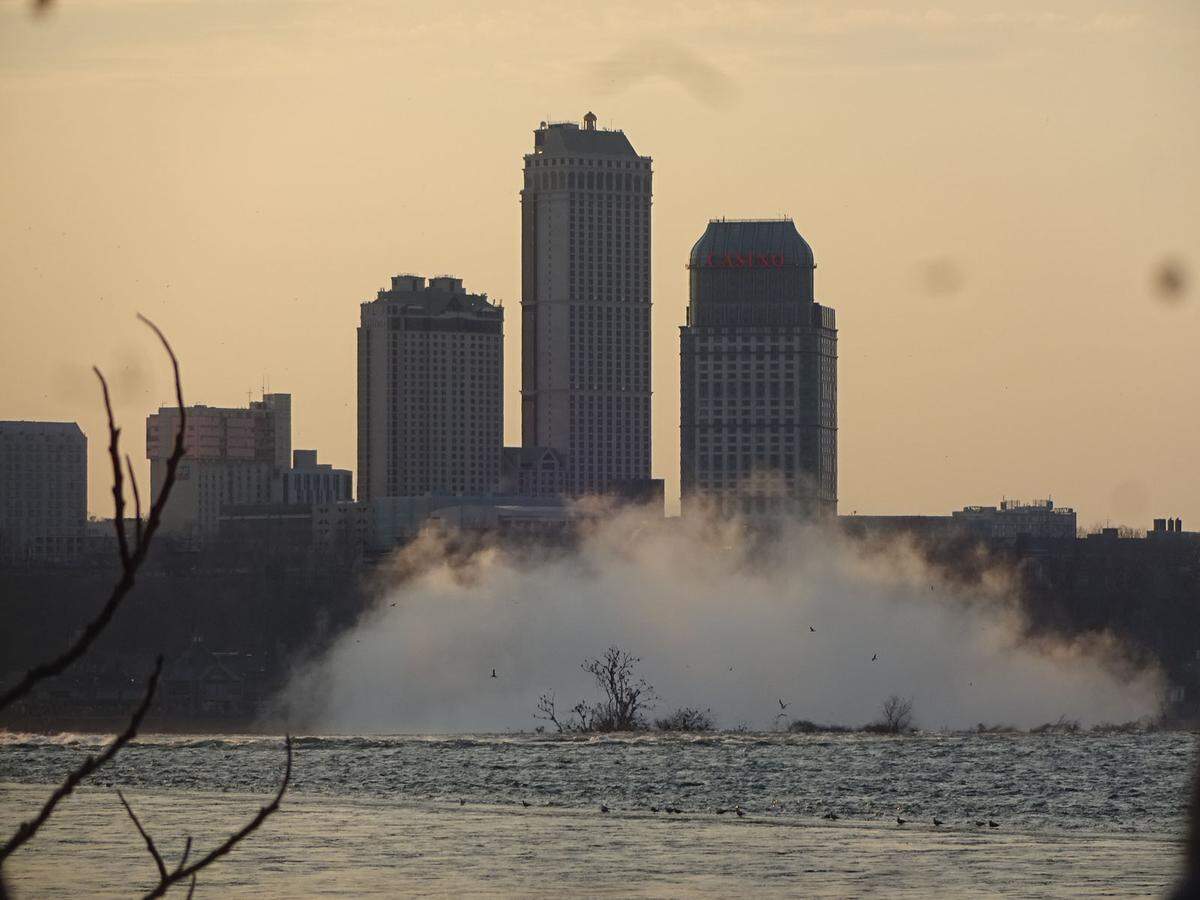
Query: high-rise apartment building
[[234, 456], [430, 391], [585, 304], [43, 490], [758, 376]]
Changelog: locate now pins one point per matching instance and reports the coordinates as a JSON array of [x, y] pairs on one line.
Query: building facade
[[585, 304], [1014, 519], [430, 391], [309, 481], [234, 456], [758, 376], [43, 490]]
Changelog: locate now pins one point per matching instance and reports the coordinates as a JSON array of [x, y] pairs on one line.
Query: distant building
[[533, 472], [1008, 523], [1013, 520], [585, 305], [309, 482], [43, 490], [396, 520], [234, 456], [430, 391], [758, 376]]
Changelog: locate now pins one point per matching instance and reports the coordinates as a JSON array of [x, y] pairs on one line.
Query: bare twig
[[131, 560], [153, 850], [182, 871], [27, 830], [137, 500]]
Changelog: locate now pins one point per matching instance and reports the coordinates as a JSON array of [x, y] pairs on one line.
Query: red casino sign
[[746, 260]]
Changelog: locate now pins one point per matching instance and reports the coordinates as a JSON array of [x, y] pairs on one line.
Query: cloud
[[660, 60]]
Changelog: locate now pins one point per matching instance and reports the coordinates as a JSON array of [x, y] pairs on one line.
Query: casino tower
[[758, 376]]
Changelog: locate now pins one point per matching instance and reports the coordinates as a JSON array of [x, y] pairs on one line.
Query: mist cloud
[[649, 60], [717, 625]]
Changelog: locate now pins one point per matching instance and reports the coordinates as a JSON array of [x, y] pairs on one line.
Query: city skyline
[[1001, 338]]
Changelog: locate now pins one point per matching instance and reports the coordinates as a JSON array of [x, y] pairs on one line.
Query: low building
[[1013, 520], [234, 457], [533, 472], [310, 482], [43, 490]]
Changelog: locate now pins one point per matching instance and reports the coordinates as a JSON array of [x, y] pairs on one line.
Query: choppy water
[[402, 815], [1107, 784]]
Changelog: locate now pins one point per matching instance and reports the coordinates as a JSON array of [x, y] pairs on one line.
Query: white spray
[[815, 621]]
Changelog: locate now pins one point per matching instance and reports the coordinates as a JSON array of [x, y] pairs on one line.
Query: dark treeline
[[1142, 591]]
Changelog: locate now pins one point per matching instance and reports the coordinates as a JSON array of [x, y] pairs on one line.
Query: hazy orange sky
[[989, 187]]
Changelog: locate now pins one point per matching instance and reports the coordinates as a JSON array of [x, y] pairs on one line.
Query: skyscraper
[[585, 305], [43, 490], [430, 391], [758, 376]]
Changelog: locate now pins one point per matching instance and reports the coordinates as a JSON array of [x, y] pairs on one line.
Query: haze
[[992, 191]]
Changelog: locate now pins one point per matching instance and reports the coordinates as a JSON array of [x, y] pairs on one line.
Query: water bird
[[740, 812], [782, 705], [654, 809], [525, 803], [937, 821], [831, 816], [603, 808], [992, 824], [462, 802], [900, 821], [874, 656], [493, 673], [721, 812], [980, 824]]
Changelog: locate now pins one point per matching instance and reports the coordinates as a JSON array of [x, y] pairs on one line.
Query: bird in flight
[[813, 630], [782, 705], [874, 656], [493, 673]]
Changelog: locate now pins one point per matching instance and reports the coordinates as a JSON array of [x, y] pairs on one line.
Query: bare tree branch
[[158, 860], [130, 560], [27, 830], [182, 871], [137, 500]]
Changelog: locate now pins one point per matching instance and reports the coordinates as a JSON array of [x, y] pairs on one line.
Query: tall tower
[[585, 304], [430, 379], [758, 376]]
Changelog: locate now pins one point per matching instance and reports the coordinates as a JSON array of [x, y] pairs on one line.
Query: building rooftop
[[760, 236], [30, 427], [443, 294], [568, 139]]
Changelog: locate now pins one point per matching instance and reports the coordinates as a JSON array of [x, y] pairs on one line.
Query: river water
[[1076, 815]]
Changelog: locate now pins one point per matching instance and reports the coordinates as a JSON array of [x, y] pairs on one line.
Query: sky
[[1002, 197]]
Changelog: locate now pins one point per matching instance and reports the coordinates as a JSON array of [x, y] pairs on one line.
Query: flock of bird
[[830, 815]]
